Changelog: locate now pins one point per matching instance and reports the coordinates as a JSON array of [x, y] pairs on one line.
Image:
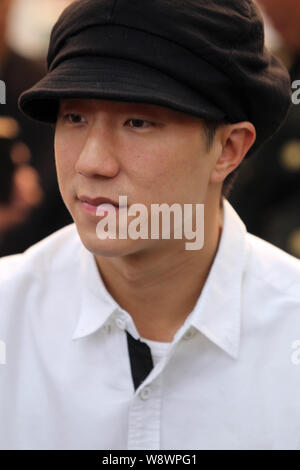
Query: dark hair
[[210, 128]]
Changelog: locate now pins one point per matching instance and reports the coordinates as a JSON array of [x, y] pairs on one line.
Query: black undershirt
[[141, 361]]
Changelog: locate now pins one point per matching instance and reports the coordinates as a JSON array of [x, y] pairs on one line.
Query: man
[[140, 343]]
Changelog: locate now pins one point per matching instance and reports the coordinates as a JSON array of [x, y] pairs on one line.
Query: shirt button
[[121, 323], [189, 334], [145, 393]]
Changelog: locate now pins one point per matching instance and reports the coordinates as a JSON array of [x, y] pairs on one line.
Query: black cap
[[205, 58]]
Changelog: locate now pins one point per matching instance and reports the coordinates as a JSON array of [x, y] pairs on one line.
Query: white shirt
[[158, 348], [229, 380]]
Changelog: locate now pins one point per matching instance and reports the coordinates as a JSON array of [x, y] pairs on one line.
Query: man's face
[[149, 153], [285, 17]]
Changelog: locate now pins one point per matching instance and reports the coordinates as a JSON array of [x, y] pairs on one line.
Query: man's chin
[[109, 247]]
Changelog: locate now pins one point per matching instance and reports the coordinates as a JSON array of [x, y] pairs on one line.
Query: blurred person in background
[[267, 191], [20, 189], [50, 214]]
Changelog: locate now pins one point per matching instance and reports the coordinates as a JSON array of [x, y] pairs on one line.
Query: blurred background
[[266, 193], [30, 203]]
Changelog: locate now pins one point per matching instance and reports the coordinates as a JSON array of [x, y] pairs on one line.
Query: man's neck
[[160, 289]]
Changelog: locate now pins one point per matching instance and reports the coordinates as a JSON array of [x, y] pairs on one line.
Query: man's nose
[[98, 154]]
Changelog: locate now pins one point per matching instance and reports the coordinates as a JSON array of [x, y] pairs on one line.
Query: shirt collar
[[96, 303], [217, 313], [218, 308]]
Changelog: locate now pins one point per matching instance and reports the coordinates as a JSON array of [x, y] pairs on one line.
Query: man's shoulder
[[51, 253], [273, 266]]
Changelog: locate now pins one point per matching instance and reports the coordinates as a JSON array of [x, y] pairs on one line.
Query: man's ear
[[236, 140]]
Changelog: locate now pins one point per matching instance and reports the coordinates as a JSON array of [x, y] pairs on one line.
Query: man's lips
[[99, 206], [97, 201]]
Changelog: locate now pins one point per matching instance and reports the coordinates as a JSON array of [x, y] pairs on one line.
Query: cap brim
[[112, 79]]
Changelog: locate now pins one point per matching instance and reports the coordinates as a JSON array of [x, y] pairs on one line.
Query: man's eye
[[72, 118], [139, 122]]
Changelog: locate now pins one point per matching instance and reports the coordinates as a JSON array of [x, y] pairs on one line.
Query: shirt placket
[[144, 420], [144, 417]]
